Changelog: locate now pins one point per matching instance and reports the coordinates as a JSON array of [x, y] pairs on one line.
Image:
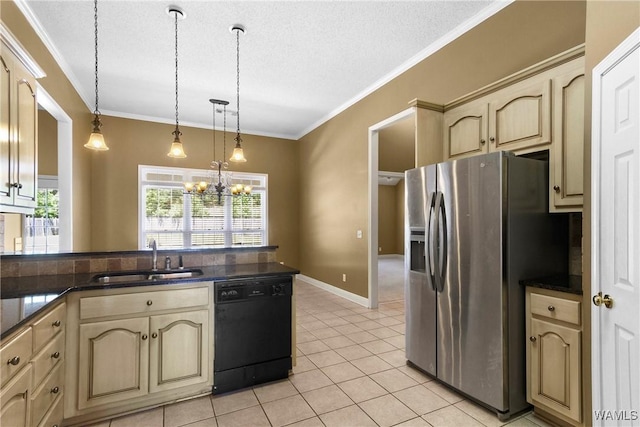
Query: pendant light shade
[[96, 139], [238, 153], [176, 150]]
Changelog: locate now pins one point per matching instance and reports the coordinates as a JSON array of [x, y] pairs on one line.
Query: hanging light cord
[[95, 20], [214, 130], [177, 131], [238, 139], [224, 132]]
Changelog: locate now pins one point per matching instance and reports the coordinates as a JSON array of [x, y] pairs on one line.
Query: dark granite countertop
[[22, 298], [562, 283]]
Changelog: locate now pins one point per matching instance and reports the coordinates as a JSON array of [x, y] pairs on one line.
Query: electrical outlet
[[380, 249], [359, 234], [344, 277]]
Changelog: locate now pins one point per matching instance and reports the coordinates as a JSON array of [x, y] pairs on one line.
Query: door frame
[[618, 54], [373, 201]]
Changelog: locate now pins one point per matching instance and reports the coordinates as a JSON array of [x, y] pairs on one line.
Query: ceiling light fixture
[[96, 139], [238, 154], [223, 185], [177, 150]]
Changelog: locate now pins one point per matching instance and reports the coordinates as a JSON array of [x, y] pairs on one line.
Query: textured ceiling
[[301, 62]]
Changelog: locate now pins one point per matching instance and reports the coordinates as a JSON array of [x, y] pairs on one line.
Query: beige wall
[[400, 217], [334, 205], [47, 144], [387, 220], [396, 146], [607, 25], [114, 202], [59, 87]]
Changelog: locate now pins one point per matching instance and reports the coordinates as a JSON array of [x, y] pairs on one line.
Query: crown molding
[[15, 47]]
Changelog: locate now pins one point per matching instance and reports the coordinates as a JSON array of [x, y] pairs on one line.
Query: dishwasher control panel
[[240, 290]]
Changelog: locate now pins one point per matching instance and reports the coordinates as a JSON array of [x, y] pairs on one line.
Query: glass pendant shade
[[96, 139], [238, 155], [96, 142], [176, 151]]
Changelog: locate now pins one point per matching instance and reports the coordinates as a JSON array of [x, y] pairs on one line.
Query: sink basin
[[144, 276]]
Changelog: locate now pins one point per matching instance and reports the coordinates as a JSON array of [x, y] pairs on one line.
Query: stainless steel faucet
[[154, 255], [167, 263]]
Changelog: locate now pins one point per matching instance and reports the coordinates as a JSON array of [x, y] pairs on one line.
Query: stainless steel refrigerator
[[474, 228]]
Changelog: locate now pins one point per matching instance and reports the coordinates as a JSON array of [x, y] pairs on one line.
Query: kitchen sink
[[144, 276]]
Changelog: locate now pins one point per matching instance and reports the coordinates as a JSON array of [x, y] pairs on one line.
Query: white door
[[616, 236]]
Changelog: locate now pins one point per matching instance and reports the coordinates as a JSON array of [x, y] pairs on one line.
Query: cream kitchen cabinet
[[554, 385], [33, 371], [18, 135], [514, 118], [135, 347], [466, 130], [566, 173]]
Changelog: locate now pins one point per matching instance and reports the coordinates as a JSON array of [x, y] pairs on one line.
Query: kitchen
[[294, 224]]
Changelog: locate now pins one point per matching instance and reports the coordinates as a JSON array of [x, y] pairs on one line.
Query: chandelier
[[221, 182]]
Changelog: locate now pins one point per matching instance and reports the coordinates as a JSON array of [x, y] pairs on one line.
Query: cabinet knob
[[56, 324], [492, 139], [144, 336], [14, 361], [55, 390], [551, 308], [556, 188], [482, 141], [16, 185], [149, 302], [55, 355], [154, 335], [532, 339]]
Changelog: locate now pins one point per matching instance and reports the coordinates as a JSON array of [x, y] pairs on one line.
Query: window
[[41, 230], [177, 220]]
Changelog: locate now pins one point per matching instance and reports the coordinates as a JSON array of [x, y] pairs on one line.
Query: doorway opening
[[391, 152]]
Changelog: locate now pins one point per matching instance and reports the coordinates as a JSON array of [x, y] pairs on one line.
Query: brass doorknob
[[600, 299]]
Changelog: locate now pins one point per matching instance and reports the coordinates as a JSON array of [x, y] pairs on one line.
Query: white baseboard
[[334, 290]]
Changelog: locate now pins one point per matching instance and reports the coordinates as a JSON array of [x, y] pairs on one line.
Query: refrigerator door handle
[[439, 242], [429, 255]]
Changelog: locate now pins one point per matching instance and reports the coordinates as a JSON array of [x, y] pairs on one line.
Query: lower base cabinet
[[137, 347], [554, 383], [15, 400]]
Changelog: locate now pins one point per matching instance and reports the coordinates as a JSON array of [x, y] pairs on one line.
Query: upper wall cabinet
[[540, 108], [566, 170], [18, 135]]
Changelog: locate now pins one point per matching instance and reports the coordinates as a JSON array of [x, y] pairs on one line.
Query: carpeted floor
[[390, 278]]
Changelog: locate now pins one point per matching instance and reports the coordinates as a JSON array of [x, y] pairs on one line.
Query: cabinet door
[[178, 350], [465, 130], [566, 161], [555, 368], [6, 167], [25, 160], [520, 116], [113, 361], [15, 400]]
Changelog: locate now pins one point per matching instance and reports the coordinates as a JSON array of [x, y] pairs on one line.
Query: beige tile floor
[[350, 372]]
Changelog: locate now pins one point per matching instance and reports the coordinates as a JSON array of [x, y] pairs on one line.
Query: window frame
[[191, 175]]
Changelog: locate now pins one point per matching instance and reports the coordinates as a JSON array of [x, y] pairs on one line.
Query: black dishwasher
[[252, 332]]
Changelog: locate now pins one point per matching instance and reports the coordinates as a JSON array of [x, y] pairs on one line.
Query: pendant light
[[96, 139], [176, 151], [238, 154]]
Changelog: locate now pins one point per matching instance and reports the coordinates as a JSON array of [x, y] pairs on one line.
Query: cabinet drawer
[[15, 355], [46, 394], [47, 327], [143, 302], [555, 308], [48, 358], [54, 417]]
